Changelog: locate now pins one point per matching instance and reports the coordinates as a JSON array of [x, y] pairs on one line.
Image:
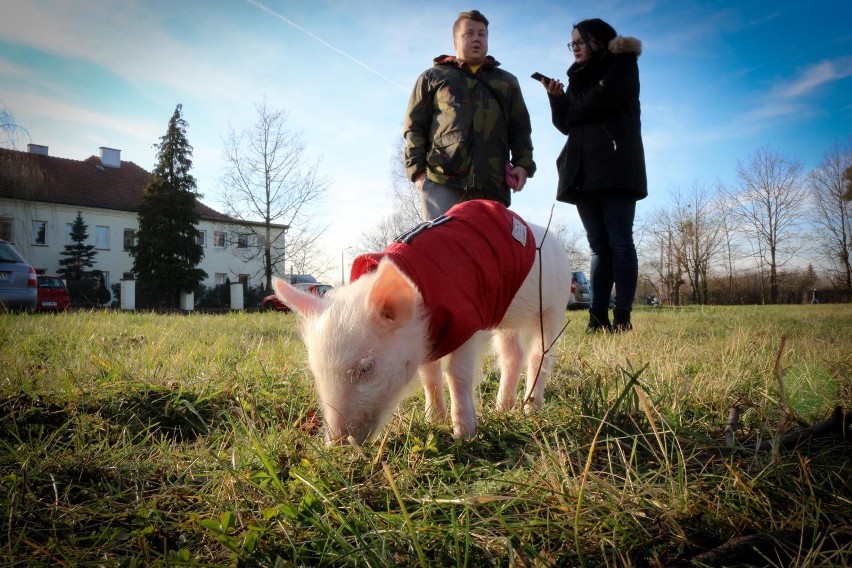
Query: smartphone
[[539, 77]]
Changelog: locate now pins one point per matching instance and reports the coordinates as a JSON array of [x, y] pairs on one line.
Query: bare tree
[[729, 234], [10, 133], [405, 207], [847, 176], [661, 248], [574, 242], [831, 214], [699, 238], [770, 202], [270, 186]]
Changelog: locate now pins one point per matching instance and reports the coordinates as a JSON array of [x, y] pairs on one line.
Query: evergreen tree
[[78, 256], [167, 253]]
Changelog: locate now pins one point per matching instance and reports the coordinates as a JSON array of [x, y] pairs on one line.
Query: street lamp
[[342, 277]]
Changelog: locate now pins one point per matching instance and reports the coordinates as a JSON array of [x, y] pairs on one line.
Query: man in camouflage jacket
[[466, 119]]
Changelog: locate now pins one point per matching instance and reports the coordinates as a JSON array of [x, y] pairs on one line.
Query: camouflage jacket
[[458, 132]]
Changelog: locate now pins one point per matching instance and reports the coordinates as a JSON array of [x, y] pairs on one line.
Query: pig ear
[[392, 297], [303, 302]]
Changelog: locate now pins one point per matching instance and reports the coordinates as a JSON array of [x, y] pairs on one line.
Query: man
[[466, 119]]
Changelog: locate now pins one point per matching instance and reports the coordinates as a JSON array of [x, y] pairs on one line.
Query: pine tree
[[167, 253], [79, 257]]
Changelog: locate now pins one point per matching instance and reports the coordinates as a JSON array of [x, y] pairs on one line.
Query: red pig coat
[[468, 264]]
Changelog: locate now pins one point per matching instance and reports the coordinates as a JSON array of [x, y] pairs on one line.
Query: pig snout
[[341, 429]]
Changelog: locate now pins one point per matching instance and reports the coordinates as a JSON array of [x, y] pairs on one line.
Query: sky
[[719, 80]]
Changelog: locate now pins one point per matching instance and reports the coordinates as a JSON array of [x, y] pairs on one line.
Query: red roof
[[88, 183]]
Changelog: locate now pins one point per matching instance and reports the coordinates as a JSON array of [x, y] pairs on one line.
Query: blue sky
[[719, 80]]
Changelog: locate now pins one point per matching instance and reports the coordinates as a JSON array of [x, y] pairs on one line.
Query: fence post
[[128, 294], [187, 301], [237, 295]]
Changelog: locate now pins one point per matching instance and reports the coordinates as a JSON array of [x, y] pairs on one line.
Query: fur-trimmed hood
[[624, 44]]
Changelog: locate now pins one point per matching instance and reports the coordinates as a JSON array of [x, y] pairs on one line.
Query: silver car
[[18, 280], [581, 292]]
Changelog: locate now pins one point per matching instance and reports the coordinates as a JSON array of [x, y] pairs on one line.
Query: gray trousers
[[436, 199]]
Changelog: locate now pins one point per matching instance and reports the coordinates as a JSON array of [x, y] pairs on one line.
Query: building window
[[202, 239], [129, 238], [39, 232], [221, 279], [101, 237], [242, 241], [219, 239], [6, 229]]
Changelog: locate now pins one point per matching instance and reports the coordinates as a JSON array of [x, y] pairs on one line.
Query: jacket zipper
[[614, 145]]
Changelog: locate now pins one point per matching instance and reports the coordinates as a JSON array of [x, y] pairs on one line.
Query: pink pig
[[435, 296]]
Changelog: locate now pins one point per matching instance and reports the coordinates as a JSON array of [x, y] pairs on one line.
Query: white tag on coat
[[519, 231]]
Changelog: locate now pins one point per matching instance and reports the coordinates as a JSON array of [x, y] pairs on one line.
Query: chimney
[[37, 149], [110, 157]]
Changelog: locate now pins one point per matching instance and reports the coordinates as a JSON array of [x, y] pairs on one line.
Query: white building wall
[[113, 259]]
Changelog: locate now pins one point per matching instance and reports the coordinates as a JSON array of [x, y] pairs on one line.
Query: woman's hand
[[554, 88]]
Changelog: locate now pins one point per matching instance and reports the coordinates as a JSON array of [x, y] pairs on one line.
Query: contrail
[[325, 43]]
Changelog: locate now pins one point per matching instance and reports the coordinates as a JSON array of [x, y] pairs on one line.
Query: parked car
[[581, 293], [53, 295], [18, 281], [272, 302]]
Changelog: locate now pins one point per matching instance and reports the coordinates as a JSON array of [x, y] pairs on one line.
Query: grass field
[[141, 439]]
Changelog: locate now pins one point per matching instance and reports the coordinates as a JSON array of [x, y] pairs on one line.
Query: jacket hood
[[449, 59], [619, 45], [623, 44]]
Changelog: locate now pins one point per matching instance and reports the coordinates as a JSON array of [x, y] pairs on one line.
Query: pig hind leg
[[539, 366], [510, 354]]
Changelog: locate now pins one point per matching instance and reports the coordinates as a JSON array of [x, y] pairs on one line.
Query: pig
[[426, 303]]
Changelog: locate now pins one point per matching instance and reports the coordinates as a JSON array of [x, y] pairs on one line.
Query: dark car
[[272, 302], [53, 295], [18, 281], [581, 293]]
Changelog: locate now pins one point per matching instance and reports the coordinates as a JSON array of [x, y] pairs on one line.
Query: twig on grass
[[731, 425], [838, 424]]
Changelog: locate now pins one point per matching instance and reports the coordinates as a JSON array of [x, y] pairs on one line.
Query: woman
[[602, 166]]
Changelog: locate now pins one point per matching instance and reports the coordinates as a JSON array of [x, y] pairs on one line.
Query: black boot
[[598, 321], [621, 320]]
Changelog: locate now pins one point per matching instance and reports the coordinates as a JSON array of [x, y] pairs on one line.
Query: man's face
[[471, 42]]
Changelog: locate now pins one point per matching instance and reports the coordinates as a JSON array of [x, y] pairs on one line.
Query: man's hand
[[521, 174], [418, 180]]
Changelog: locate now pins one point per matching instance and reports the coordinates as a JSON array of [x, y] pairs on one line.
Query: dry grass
[[130, 439]]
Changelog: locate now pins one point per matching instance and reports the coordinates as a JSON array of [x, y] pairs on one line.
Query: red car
[[52, 294], [272, 302]]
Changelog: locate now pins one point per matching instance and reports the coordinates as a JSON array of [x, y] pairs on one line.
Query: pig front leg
[[433, 388], [463, 373]]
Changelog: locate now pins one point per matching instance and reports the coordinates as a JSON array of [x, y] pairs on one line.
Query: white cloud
[[815, 76]]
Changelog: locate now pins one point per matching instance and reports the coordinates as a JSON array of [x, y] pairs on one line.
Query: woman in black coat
[[602, 166]]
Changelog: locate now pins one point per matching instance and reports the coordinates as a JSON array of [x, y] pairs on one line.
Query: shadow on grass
[[165, 414]]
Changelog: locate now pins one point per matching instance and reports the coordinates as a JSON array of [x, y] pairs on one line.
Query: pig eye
[[362, 368], [365, 365]]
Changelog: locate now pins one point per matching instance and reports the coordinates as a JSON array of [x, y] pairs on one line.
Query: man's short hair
[[474, 15]]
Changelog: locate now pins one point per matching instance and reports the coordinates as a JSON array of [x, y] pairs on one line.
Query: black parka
[[600, 113]]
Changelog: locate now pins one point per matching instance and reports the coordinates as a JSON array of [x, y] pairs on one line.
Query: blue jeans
[[608, 221]]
